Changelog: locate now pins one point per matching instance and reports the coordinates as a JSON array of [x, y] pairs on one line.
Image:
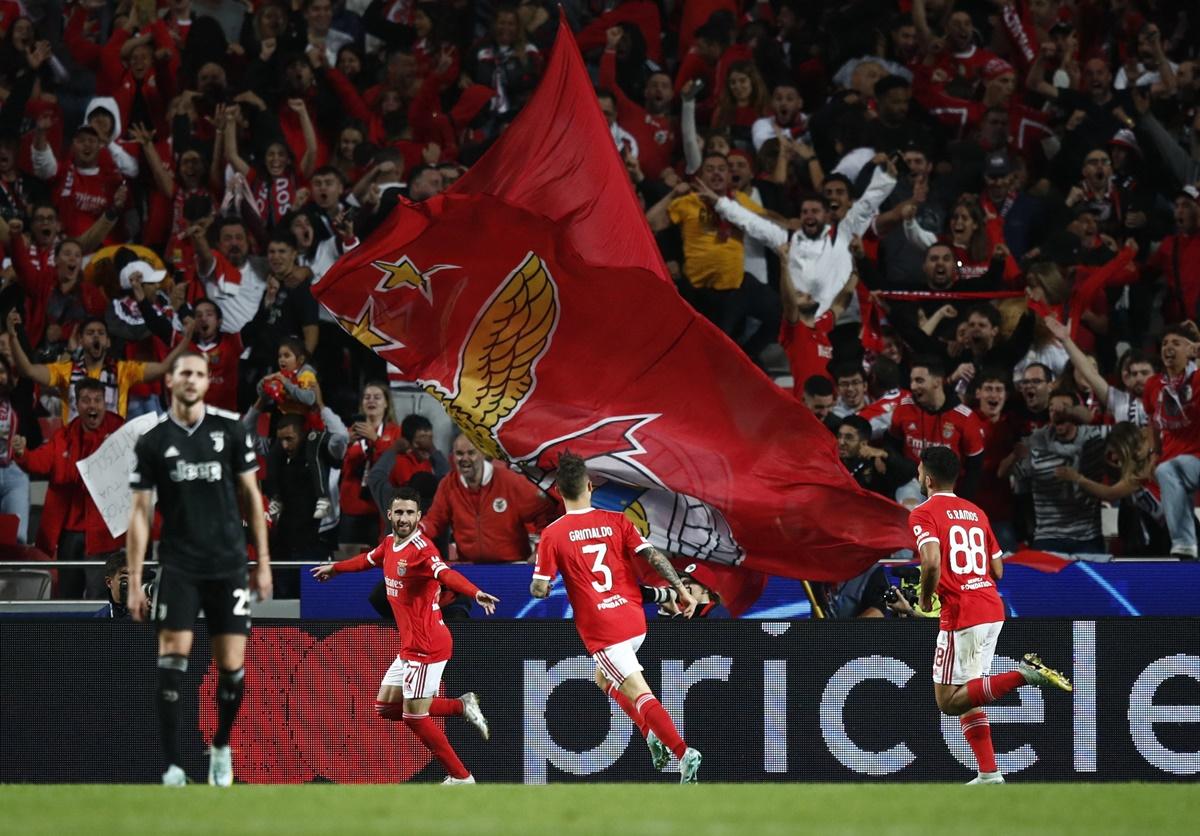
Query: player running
[[201, 462], [414, 573], [960, 559], [593, 550]]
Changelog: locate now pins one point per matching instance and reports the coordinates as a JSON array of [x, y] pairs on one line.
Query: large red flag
[[531, 299]]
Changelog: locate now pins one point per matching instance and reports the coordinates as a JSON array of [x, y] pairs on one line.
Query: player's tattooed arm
[[659, 563]]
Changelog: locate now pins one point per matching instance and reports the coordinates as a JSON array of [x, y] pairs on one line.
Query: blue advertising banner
[[1081, 590]]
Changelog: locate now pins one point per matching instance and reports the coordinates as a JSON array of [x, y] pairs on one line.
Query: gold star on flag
[[363, 329], [403, 273]]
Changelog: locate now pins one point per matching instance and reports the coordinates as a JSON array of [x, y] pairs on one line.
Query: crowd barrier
[[1077, 590], [764, 701]]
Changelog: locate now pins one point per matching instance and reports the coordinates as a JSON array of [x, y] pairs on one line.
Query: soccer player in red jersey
[[960, 560], [594, 551], [932, 416], [414, 574]]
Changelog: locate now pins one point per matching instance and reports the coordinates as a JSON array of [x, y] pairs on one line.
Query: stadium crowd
[[972, 223]]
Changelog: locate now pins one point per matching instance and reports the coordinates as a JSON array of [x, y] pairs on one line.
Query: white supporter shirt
[[238, 302], [765, 126], [1146, 76], [624, 141], [1123, 406], [755, 261], [822, 265]]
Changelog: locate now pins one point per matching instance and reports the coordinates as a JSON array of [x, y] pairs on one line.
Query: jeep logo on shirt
[[206, 471]]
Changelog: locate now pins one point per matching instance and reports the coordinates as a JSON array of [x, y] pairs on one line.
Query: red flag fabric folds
[[531, 300]]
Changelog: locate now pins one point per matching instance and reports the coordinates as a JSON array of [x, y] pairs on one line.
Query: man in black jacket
[[878, 469]]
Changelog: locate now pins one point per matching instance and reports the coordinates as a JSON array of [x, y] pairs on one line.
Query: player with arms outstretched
[[201, 462], [960, 562], [414, 573], [593, 549]]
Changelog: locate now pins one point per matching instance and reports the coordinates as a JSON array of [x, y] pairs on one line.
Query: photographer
[[116, 580], [863, 596], [902, 599], [707, 599], [710, 585]]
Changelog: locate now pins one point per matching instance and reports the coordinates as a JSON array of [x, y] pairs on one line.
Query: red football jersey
[[957, 428], [1174, 411], [594, 551], [966, 588], [82, 195], [808, 349], [410, 571], [224, 356]]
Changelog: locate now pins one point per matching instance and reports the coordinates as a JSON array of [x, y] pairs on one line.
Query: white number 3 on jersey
[[598, 568]]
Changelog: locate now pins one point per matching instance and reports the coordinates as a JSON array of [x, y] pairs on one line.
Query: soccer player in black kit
[[201, 462]]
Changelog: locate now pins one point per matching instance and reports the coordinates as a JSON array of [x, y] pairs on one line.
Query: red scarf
[[273, 198], [179, 224]]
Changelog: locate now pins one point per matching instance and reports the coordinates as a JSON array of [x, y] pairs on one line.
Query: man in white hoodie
[[105, 118]]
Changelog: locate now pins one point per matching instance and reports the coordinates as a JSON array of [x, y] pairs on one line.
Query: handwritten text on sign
[[106, 473]]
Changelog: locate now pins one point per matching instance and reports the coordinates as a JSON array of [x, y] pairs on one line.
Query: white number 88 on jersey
[[968, 550]]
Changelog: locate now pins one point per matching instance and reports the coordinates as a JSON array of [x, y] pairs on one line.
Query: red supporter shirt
[[965, 65], [413, 572], [808, 349], [1174, 412], [491, 522], [224, 354], [956, 427], [360, 457], [594, 551], [964, 535], [995, 494], [82, 195], [879, 411], [656, 136], [408, 465], [9, 12]]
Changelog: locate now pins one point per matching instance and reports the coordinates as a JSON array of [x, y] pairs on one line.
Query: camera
[[910, 586], [123, 590], [902, 169]]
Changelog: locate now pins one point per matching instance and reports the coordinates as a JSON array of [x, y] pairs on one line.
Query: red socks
[[445, 707], [659, 722], [987, 689], [627, 706], [978, 733], [435, 741], [438, 707]]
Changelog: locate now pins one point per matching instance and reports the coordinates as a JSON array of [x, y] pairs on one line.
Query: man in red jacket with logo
[[71, 525], [488, 507]]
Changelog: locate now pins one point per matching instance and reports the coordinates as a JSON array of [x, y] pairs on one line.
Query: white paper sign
[[106, 473]]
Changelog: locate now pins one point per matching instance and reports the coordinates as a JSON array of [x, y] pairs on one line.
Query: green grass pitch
[[620, 809]]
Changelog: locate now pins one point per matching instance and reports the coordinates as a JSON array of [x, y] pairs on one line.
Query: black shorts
[[225, 599]]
